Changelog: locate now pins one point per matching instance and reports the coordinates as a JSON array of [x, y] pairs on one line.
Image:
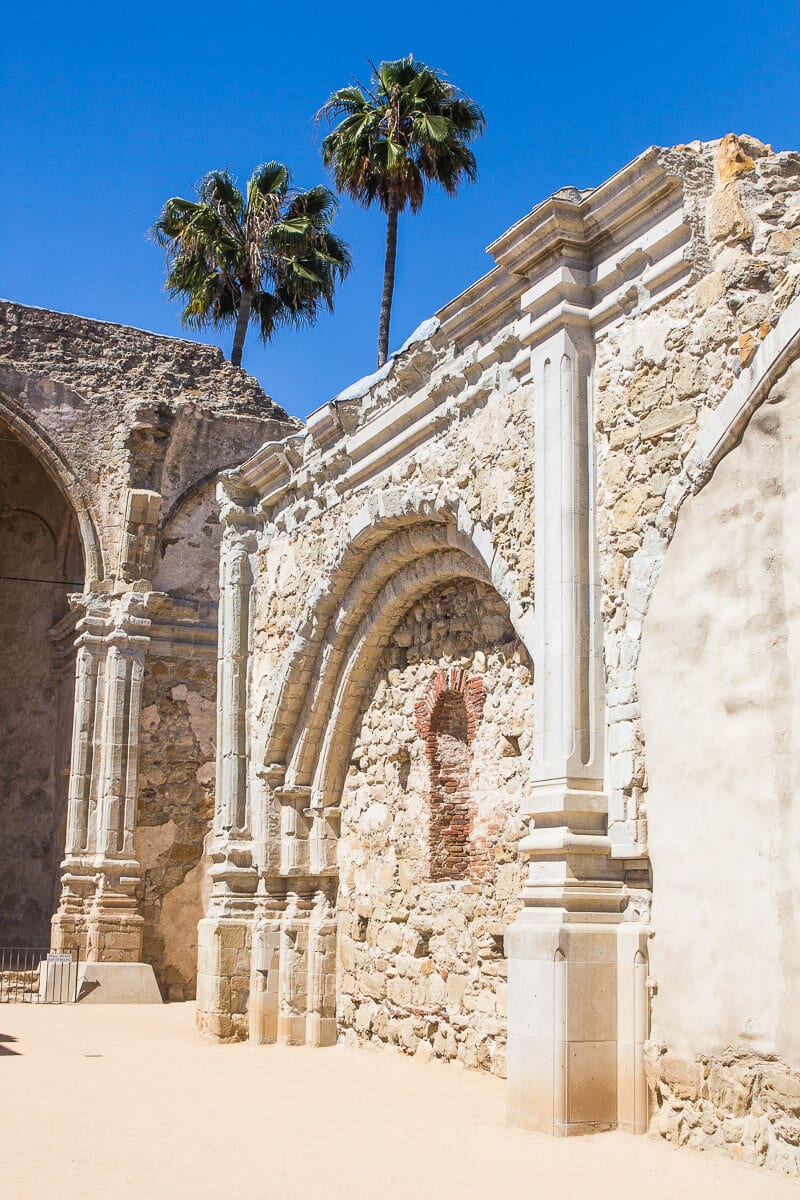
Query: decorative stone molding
[[31, 434], [140, 534], [539, 437], [98, 911]]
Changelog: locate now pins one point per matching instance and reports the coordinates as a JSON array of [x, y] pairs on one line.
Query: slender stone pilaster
[[115, 925], [225, 933], [321, 987], [569, 719], [265, 973], [98, 911], [293, 970], [232, 816], [78, 876], [565, 989], [88, 677]]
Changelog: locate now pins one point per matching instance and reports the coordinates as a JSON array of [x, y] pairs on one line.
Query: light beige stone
[[666, 420], [425, 684]]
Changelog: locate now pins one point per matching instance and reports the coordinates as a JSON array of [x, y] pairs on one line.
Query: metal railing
[[38, 975]]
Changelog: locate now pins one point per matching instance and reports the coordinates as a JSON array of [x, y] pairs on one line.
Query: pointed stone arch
[[43, 558], [363, 653], [40, 445], [390, 531]]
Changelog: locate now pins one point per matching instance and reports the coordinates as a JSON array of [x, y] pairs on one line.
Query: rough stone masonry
[[463, 714]]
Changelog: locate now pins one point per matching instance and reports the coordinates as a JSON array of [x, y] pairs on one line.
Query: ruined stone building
[[463, 717]]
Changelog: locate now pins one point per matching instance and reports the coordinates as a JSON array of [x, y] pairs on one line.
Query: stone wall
[[744, 1104], [615, 350], [421, 962], [157, 404], [660, 375], [482, 468], [128, 431], [176, 803], [40, 562], [717, 683]]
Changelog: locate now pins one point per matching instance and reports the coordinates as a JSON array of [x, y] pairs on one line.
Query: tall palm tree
[[268, 256], [409, 128]]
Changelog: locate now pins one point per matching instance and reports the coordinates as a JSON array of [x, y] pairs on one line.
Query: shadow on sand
[[5, 1038]]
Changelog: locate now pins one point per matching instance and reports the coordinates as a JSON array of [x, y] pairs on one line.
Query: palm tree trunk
[[241, 326], [388, 281]]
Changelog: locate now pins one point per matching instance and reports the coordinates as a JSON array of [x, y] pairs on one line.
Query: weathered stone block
[[727, 219], [731, 1088], [781, 1087], [683, 1079]]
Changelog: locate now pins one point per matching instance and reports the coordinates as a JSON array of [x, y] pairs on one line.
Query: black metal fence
[[38, 975]]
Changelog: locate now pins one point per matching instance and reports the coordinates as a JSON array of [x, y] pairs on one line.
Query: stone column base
[[69, 926], [223, 977], [293, 975], [264, 980], [633, 1013], [68, 932], [114, 937], [576, 1024]]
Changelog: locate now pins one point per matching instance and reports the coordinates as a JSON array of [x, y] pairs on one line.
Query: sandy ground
[[118, 1102]]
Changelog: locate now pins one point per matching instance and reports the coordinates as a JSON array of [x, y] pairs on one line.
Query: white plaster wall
[[719, 681]]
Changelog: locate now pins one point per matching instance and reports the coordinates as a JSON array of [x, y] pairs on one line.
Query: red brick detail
[[447, 718], [455, 679]]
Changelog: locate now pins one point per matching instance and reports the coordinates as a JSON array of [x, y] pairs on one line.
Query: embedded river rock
[[460, 716]]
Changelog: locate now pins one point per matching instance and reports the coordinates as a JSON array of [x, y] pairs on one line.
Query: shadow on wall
[[40, 563]]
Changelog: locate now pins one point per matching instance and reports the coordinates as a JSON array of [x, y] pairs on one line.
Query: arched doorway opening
[[41, 562]]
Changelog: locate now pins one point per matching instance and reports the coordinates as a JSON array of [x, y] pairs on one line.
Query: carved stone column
[[293, 973], [563, 946], [321, 988], [78, 876], [225, 933], [98, 911], [265, 973]]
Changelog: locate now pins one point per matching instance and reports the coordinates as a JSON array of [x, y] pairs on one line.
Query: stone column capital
[[567, 853], [236, 502], [107, 618]]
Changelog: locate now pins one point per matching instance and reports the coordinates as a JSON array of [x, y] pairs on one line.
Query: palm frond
[[410, 129], [275, 241]]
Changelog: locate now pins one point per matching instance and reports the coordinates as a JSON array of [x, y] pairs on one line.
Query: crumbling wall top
[[117, 364]]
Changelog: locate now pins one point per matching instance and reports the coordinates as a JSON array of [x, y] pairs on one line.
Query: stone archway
[[41, 561]]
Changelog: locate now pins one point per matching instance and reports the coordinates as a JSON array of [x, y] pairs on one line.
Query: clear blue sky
[[106, 110]]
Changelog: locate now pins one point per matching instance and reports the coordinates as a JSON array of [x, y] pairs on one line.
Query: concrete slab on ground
[[117, 983]]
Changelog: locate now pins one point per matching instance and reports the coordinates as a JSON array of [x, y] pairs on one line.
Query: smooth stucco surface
[[719, 687]]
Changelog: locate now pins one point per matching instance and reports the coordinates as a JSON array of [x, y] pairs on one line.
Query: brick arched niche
[[448, 716]]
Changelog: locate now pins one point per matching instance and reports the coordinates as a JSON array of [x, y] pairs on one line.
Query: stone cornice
[[579, 258], [567, 233], [570, 225], [483, 302], [181, 626]]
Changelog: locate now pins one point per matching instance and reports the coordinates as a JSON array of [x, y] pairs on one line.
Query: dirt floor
[[124, 1101]]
